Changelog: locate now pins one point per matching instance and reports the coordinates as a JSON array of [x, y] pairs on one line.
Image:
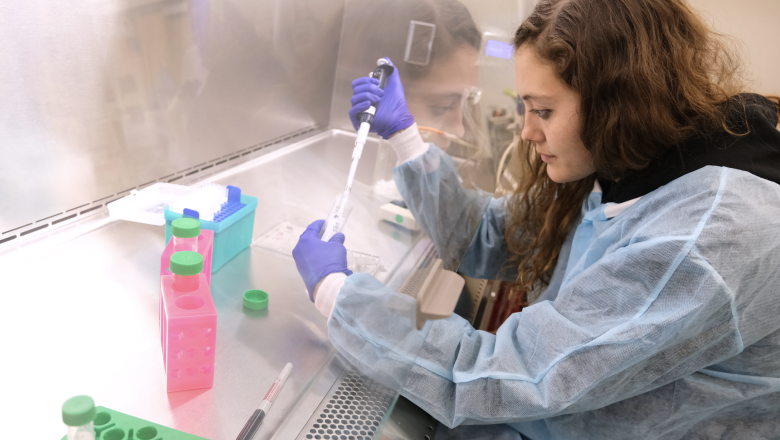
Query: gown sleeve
[[465, 225]]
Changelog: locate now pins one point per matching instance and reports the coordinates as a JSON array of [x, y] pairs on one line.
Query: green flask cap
[[185, 228], [186, 263], [78, 411], [255, 299]]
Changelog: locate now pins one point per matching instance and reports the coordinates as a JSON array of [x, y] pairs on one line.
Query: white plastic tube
[[337, 217]]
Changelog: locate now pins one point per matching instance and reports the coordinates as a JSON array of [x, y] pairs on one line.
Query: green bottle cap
[[185, 227], [78, 411], [255, 299], [186, 263]]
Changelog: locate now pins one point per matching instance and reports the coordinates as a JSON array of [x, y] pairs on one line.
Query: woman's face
[[552, 118], [436, 99]]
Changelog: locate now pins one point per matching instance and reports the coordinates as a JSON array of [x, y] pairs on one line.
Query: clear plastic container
[[83, 432], [185, 244], [285, 235], [282, 238], [185, 233], [360, 262]]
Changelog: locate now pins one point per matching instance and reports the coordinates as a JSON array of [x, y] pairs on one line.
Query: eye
[[543, 114]]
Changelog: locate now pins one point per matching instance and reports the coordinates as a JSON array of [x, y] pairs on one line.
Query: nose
[[455, 122], [532, 132]]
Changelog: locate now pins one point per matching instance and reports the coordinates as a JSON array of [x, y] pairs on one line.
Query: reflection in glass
[[436, 47], [419, 43]]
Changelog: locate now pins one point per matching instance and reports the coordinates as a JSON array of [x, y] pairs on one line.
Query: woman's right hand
[[392, 113]]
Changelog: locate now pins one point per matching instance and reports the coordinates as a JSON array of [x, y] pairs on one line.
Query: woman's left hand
[[316, 259]]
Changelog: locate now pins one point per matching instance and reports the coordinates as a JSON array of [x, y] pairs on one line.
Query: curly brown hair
[[650, 74]]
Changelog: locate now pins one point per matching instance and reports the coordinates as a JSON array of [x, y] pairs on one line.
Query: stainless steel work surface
[[81, 312]]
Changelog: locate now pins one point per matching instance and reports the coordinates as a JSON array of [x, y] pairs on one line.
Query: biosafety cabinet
[[104, 99]]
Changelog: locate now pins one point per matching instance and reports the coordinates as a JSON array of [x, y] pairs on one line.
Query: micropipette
[[342, 207]]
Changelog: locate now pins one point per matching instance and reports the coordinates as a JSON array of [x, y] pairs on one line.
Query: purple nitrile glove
[[317, 259], [392, 113]]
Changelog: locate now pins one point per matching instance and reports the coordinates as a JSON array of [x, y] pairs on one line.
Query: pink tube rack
[[205, 248], [188, 327]]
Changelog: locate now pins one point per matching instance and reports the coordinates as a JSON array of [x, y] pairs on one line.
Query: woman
[[647, 211]]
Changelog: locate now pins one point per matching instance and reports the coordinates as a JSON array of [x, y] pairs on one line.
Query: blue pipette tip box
[[233, 226]]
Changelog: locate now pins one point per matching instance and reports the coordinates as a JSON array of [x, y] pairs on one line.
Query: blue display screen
[[498, 49]]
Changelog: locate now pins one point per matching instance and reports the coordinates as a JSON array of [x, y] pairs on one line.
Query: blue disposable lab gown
[[668, 330]]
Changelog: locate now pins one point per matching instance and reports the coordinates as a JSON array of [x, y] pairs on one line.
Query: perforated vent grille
[[476, 290], [414, 282], [352, 410]]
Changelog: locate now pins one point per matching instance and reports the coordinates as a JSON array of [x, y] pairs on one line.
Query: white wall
[[756, 25]]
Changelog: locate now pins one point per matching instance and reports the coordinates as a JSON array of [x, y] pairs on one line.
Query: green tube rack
[[114, 425]]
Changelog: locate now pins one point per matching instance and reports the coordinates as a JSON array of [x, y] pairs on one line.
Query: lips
[[545, 157]]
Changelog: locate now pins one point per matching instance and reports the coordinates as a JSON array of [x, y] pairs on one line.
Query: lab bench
[[80, 309]]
